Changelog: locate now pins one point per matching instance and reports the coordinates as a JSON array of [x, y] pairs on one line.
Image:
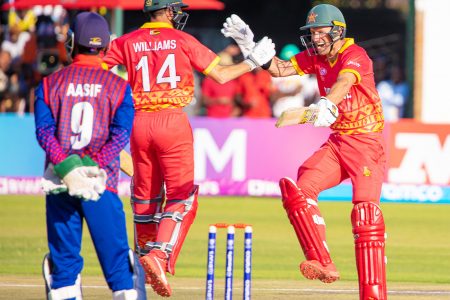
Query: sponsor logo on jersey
[[351, 62], [323, 71], [366, 171]]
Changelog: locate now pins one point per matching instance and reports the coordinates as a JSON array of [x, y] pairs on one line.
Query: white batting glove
[[328, 112], [51, 183], [237, 29], [262, 53]]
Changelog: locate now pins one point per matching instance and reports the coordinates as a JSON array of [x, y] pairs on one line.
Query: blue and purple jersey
[[84, 109]]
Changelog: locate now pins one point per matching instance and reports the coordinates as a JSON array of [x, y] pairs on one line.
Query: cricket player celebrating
[[351, 107], [83, 117], [160, 58]]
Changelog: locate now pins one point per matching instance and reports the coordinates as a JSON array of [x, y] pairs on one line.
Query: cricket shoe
[[155, 265], [313, 269]]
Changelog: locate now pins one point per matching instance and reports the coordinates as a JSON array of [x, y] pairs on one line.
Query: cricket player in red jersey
[[159, 58], [351, 107]]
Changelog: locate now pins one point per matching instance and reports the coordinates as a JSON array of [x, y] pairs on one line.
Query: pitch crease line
[[340, 291]]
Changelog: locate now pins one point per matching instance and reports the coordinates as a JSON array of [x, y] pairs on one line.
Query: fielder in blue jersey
[[84, 116]]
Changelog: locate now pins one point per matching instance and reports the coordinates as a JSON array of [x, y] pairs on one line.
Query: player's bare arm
[[328, 111], [327, 106], [281, 68], [342, 87], [223, 74]]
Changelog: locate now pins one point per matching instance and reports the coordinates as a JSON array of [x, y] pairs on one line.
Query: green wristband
[[88, 161], [66, 166]]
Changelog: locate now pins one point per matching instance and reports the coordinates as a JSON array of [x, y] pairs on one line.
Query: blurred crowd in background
[[32, 46]]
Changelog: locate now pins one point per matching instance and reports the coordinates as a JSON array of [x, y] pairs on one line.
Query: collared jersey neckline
[[157, 25], [90, 61]]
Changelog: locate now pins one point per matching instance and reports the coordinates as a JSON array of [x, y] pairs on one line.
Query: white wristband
[[251, 64]]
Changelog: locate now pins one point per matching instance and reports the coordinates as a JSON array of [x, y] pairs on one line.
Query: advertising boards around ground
[[247, 157]]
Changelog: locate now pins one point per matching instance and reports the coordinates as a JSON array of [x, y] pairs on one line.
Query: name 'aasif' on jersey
[[83, 90]]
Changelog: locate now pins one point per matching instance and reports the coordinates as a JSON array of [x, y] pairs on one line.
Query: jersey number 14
[[168, 65]]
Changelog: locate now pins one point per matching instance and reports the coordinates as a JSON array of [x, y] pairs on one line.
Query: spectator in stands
[[380, 68], [43, 55], [5, 69], [394, 93], [15, 42], [60, 18], [219, 99], [195, 108], [292, 91], [287, 90], [24, 20], [253, 92], [9, 86]]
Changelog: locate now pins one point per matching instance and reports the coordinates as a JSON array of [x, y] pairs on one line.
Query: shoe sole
[[312, 271], [153, 279]]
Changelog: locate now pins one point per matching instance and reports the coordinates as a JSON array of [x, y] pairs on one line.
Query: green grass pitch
[[417, 247]]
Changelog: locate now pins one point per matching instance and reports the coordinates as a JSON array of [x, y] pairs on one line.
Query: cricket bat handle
[[126, 163]]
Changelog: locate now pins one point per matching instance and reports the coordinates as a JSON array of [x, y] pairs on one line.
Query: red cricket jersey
[[215, 91], [159, 60], [255, 89], [361, 110]]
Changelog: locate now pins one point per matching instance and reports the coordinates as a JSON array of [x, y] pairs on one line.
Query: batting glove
[[52, 184], [237, 29], [328, 112], [262, 53]]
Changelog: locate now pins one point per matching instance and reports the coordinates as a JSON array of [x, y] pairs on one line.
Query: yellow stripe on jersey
[[348, 43], [211, 65], [157, 25], [354, 72], [296, 66]]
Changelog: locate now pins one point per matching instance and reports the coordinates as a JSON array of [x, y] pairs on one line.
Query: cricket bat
[[299, 115], [126, 163]]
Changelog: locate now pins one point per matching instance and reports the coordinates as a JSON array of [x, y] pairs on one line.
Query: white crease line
[[324, 291]]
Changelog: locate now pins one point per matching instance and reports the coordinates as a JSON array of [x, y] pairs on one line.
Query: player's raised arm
[[281, 68], [235, 28], [261, 54]]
